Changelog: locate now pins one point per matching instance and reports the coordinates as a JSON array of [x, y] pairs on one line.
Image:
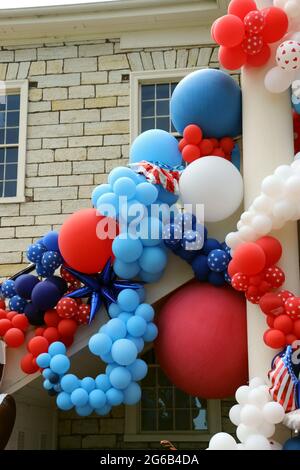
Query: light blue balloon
[[47, 373], [104, 410], [60, 364], [166, 196], [211, 99], [116, 329], [132, 212], [69, 383], [125, 187], [139, 342], [120, 172], [149, 277], [114, 310], [114, 397], [47, 385], [128, 300], [100, 343], [57, 348], [150, 231], [146, 193], [126, 270], [97, 398], [63, 401], [85, 410], [136, 326], [120, 378], [156, 145], [141, 293], [145, 311], [132, 394], [124, 352], [102, 382], [108, 205], [79, 397], [151, 332], [138, 370], [124, 316], [127, 249], [153, 259], [107, 358], [43, 360], [88, 383], [110, 368], [57, 388], [98, 191]]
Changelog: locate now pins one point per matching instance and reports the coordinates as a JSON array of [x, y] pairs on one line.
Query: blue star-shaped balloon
[[103, 288]]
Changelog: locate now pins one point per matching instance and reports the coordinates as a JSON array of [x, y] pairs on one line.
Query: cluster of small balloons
[[277, 204], [194, 146], [244, 34], [255, 416], [118, 344], [253, 268], [45, 254], [13, 327]]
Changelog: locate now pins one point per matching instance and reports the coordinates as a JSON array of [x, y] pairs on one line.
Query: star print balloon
[[218, 260]]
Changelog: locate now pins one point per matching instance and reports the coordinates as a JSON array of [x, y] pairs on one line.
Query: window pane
[[2, 155], [2, 119], [1, 172], [149, 380], [2, 104], [1, 189], [10, 189], [13, 102], [173, 86], [182, 400], [182, 420], [165, 397], [162, 108], [2, 132], [148, 421], [165, 420], [162, 91], [148, 92], [11, 171], [11, 154], [163, 123], [163, 379], [12, 135], [199, 420], [148, 109], [149, 398], [148, 124], [13, 119]]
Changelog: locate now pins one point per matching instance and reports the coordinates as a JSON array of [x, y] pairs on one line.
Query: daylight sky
[[4, 4]]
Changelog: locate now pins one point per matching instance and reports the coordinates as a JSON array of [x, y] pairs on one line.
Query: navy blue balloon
[[45, 295], [24, 285], [226, 248], [211, 99], [209, 245], [216, 279], [186, 255], [34, 316], [50, 241], [292, 444], [60, 283], [200, 267]]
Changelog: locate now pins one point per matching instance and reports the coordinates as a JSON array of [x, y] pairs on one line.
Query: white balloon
[[288, 56], [222, 441], [272, 186], [251, 415], [243, 432], [256, 382], [278, 80], [292, 187], [263, 204], [284, 209], [266, 429], [214, 182], [259, 396], [292, 8], [241, 395], [275, 445], [257, 442], [233, 240], [273, 412], [283, 171], [235, 414], [247, 217], [240, 447], [262, 224], [278, 223], [240, 224], [247, 233]]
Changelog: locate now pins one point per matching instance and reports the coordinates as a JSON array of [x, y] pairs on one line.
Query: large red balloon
[[80, 244], [276, 24], [272, 248], [228, 31], [202, 340], [250, 258]]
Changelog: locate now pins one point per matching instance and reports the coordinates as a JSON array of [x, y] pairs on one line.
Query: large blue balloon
[[211, 99], [292, 444], [156, 145]]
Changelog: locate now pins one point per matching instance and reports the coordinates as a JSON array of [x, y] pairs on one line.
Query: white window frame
[[145, 78], [21, 87]]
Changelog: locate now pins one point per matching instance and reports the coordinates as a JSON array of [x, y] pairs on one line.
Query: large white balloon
[[222, 441], [215, 183], [257, 442], [278, 80]]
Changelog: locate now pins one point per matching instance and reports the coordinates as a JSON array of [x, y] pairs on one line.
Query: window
[[166, 412], [150, 99], [13, 123]]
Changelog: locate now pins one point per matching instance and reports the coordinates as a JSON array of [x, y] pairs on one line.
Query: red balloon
[[67, 327], [192, 134], [206, 147], [254, 22], [191, 153], [249, 258], [232, 268], [51, 318], [252, 45], [2, 304], [272, 248], [214, 141], [20, 321], [28, 364], [182, 143], [241, 7], [11, 315], [285, 294], [276, 24], [68, 340], [290, 338], [271, 304], [38, 345], [39, 331], [14, 337], [227, 144], [67, 307], [51, 334], [240, 282], [67, 276], [284, 323], [270, 320], [2, 314], [5, 325], [274, 339], [202, 345], [274, 276], [83, 315], [79, 241], [229, 31], [261, 58], [218, 152], [297, 328], [232, 58]]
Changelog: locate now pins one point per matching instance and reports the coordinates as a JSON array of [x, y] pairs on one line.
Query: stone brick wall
[[78, 127], [108, 432]]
